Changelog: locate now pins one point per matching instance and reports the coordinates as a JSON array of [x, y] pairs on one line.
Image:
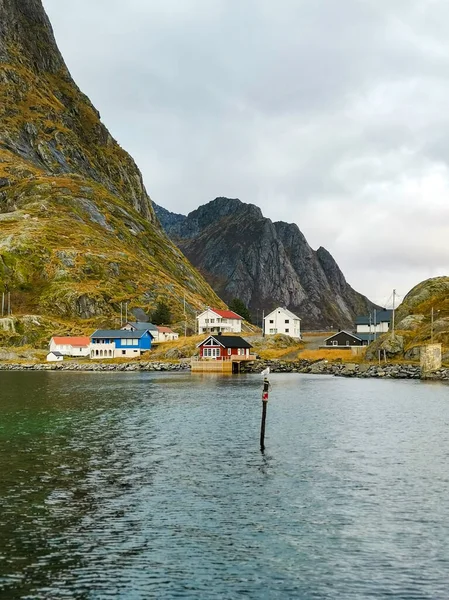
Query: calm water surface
[[153, 486]]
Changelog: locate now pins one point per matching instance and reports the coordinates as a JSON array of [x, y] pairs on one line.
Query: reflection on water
[[123, 485]]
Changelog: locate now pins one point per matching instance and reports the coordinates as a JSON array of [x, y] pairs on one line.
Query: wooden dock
[[214, 365]]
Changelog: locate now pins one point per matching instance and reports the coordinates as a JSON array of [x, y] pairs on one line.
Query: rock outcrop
[[245, 255], [78, 233]]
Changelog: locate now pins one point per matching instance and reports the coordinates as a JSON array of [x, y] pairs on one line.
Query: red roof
[[164, 329], [72, 341], [226, 314]]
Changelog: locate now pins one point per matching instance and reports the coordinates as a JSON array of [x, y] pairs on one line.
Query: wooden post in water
[[266, 387]]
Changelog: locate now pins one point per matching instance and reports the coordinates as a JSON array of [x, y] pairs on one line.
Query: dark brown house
[[343, 339]]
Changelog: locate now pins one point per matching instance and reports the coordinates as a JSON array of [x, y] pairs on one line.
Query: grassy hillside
[[78, 234]]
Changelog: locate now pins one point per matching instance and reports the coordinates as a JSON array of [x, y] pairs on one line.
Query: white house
[[376, 323], [214, 320], [281, 320], [165, 334], [70, 346], [55, 357]]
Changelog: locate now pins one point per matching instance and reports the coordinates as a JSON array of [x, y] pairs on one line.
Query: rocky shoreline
[[96, 366], [362, 370]]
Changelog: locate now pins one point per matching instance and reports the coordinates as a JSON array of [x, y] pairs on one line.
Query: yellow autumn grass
[[278, 353], [331, 355]]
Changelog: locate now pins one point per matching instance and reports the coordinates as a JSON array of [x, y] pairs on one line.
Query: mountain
[[78, 233], [245, 255]]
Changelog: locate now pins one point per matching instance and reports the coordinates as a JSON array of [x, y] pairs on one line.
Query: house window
[[287, 320], [272, 330], [206, 320], [348, 343], [287, 330], [123, 351], [229, 350], [271, 321], [212, 320], [334, 343], [211, 352]]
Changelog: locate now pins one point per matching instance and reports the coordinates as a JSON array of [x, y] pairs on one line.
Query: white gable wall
[[281, 320]]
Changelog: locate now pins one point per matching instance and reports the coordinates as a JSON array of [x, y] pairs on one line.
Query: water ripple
[[153, 486]]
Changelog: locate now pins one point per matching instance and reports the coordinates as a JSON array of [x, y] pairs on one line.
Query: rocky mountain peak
[[26, 36], [46, 120], [245, 255]]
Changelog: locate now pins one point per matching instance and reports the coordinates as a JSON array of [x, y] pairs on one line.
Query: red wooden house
[[225, 347]]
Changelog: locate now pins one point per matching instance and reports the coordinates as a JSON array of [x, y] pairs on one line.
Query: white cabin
[[55, 357]]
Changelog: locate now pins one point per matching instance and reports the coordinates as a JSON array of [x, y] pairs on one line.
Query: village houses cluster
[[130, 341], [135, 338]]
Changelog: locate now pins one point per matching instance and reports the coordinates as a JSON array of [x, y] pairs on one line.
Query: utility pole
[[394, 307], [375, 324], [126, 312], [263, 323], [9, 303], [370, 329], [3, 304], [121, 314]]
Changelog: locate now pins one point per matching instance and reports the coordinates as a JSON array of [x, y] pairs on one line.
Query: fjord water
[[153, 486]]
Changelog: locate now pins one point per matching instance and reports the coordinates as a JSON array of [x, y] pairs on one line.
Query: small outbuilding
[[165, 334], [55, 356]]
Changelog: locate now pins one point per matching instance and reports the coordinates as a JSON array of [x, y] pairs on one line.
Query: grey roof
[[118, 334], [142, 326], [228, 341], [382, 316], [354, 335], [56, 353]]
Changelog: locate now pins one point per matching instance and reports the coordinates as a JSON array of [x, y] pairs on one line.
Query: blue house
[[111, 343]]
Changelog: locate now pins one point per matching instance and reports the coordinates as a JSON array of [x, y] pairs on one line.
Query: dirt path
[[314, 341]]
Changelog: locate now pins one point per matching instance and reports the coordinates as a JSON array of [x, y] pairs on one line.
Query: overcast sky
[[330, 114]]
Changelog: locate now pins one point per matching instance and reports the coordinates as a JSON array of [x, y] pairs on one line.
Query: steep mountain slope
[[78, 233], [243, 254]]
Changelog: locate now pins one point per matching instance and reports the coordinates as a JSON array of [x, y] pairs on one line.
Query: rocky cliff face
[[243, 254], [78, 233]]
